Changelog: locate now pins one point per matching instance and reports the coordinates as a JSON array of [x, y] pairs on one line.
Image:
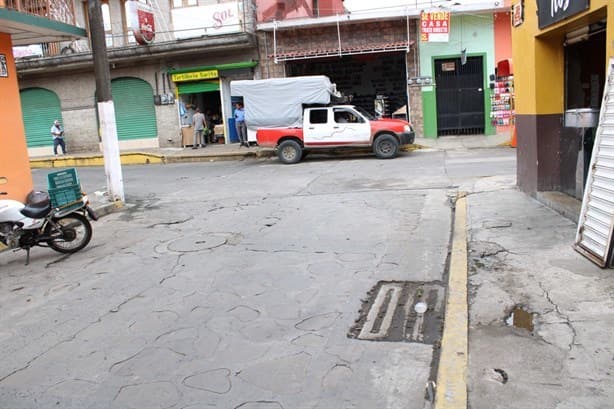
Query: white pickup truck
[[337, 126]]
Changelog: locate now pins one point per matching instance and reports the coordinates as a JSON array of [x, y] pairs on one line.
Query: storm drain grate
[[401, 311]]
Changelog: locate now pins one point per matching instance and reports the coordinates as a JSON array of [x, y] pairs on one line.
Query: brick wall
[[371, 68]]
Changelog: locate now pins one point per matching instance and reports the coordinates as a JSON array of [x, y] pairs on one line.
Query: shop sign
[[553, 11], [448, 66], [4, 69], [518, 13], [214, 19], [435, 26], [195, 76], [141, 21]]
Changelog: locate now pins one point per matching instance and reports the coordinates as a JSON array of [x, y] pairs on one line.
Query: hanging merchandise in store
[[502, 100]]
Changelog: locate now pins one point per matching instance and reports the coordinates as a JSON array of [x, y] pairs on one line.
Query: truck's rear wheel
[[289, 151], [386, 147]]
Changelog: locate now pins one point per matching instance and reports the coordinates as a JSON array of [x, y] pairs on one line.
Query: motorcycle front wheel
[[76, 233]]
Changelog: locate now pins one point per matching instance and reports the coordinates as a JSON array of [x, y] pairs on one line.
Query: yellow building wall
[[539, 55], [15, 173]]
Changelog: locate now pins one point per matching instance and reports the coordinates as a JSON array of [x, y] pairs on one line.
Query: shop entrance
[[585, 72], [205, 96], [460, 96], [584, 83], [363, 77]]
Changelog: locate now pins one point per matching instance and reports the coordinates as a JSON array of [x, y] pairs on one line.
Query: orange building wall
[[503, 37], [15, 173]]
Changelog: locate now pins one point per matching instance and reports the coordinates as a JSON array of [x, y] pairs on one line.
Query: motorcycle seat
[[36, 211]]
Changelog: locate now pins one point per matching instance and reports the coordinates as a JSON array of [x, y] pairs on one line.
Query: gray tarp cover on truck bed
[[278, 102]]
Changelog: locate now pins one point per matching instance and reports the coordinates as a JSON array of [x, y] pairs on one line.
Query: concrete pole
[[104, 103]]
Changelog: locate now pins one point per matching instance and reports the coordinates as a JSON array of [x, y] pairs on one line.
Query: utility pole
[[104, 103]]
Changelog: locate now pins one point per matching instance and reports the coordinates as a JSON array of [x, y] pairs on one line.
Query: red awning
[[345, 50]]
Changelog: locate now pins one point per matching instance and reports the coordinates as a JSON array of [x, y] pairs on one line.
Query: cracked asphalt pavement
[[234, 285]]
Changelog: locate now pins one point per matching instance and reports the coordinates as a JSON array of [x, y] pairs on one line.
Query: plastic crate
[[63, 179], [65, 195]]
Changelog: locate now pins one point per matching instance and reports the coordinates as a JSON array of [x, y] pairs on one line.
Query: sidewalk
[[216, 152], [541, 316]]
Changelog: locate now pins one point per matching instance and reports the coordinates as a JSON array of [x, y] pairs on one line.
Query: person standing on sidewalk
[[198, 122], [57, 132], [240, 124]]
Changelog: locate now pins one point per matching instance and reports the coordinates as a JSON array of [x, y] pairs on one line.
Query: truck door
[[349, 126], [335, 126], [316, 126]]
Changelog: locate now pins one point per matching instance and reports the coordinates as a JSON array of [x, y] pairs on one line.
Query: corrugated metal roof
[[344, 50]]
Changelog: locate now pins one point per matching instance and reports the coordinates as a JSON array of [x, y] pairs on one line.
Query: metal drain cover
[[401, 311]]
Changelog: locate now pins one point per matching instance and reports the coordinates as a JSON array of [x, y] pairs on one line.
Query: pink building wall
[[269, 10], [503, 37]]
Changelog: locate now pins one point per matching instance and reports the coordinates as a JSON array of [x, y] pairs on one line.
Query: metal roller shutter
[[135, 114], [39, 107], [596, 224]]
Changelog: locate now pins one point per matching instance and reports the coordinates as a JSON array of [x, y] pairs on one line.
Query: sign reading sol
[[195, 76]]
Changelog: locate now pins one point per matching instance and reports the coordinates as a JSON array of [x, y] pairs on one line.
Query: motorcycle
[[65, 229]]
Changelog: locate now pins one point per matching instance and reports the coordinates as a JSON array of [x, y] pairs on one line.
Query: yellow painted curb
[[452, 373], [136, 158]]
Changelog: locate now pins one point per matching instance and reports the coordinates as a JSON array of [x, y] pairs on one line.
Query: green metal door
[[39, 108], [135, 114]]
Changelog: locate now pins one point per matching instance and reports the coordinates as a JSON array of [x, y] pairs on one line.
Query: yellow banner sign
[[195, 76]]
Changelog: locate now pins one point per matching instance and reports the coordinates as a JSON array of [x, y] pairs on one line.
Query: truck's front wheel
[[386, 147], [289, 151]]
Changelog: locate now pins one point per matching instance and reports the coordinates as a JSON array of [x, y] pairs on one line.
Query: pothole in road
[[403, 311], [520, 318]]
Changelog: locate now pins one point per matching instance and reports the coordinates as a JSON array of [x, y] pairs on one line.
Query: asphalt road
[[235, 285]]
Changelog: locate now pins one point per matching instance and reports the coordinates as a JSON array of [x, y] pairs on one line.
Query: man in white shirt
[[58, 137]]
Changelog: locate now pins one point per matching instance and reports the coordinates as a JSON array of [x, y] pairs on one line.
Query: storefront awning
[[220, 67], [195, 87], [334, 52], [26, 29]]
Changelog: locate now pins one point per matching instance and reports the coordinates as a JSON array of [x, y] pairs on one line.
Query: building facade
[[374, 56], [560, 51], [378, 53], [199, 47], [459, 98]]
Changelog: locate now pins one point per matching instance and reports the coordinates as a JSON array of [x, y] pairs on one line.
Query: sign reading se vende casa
[[435, 26], [195, 76]]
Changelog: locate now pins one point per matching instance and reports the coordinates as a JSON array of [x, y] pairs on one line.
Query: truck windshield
[[365, 113]]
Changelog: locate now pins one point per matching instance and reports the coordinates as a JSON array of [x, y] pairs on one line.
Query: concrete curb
[[452, 374], [103, 209], [143, 158]]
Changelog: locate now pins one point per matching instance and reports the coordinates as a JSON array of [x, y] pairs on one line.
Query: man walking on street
[[57, 132], [240, 124], [198, 122]]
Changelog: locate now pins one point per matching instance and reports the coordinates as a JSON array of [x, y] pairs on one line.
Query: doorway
[[460, 96], [584, 83]]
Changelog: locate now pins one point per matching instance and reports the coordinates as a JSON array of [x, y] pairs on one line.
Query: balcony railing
[[123, 40], [177, 25], [58, 10]]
